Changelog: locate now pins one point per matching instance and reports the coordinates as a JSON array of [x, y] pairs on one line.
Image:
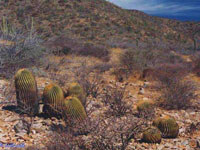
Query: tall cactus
[[26, 91], [152, 135], [74, 110], [76, 90], [53, 99], [168, 126]]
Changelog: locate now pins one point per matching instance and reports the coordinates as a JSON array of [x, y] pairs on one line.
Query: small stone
[[34, 131], [11, 119], [37, 125], [141, 91], [198, 143], [185, 142], [192, 143], [22, 127]]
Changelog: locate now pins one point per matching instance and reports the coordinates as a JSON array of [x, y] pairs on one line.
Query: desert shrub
[[95, 51], [64, 45], [137, 60], [89, 80], [107, 133], [19, 50], [196, 65], [64, 141], [102, 67], [115, 133], [115, 99], [176, 92]]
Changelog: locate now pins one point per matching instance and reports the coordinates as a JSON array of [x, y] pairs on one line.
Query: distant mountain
[[97, 21]]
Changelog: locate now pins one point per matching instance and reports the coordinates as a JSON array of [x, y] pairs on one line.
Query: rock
[[22, 127], [160, 147], [47, 122], [198, 143], [185, 142], [37, 125], [192, 143], [11, 119], [141, 91]]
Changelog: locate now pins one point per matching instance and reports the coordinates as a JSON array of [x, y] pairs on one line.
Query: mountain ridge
[[97, 21]]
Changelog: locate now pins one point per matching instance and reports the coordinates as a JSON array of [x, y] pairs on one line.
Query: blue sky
[[175, 9]]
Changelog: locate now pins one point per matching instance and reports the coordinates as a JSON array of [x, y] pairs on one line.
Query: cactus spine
[[168, 126], [76, 90], [152, 135], [53, 99], [74, 110], [26, 91]]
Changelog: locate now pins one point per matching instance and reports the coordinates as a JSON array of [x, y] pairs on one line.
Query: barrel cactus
[[145, 108], [168, 126], [76, 90], [74, 110], [26, 91], [53, 99], [152, 135]]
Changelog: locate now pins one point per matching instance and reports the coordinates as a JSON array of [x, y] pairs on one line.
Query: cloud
[[159, 6]]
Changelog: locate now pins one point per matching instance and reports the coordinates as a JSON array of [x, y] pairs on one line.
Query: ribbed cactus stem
[[74, 110], [53, 98], [26, 91], [76, 90]]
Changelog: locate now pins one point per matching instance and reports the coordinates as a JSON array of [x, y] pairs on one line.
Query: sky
[[185, 10]]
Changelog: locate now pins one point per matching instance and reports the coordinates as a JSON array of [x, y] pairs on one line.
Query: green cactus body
[[53, 98], [144, 105], [168, 126], [26, 91], [76, 90], [152, 135], [74, 110]]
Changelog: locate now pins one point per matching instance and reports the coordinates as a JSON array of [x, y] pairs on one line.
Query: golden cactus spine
[[26, 91], [152, 135], [53, 99], [168, 126], [74, 110], [76, 90]]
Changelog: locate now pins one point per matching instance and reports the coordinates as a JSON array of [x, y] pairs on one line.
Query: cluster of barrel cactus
[[53, 97], [71, 108], [167, 127]]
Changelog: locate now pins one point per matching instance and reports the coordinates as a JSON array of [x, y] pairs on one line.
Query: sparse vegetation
[[94, 52], [177, 93], [18, 49]]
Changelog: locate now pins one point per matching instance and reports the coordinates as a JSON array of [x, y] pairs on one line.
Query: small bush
[[114, 98], [95, 51], [176, 92], [24, 50], [137, 60], [89, 80], [196, 67], [66, 45]]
